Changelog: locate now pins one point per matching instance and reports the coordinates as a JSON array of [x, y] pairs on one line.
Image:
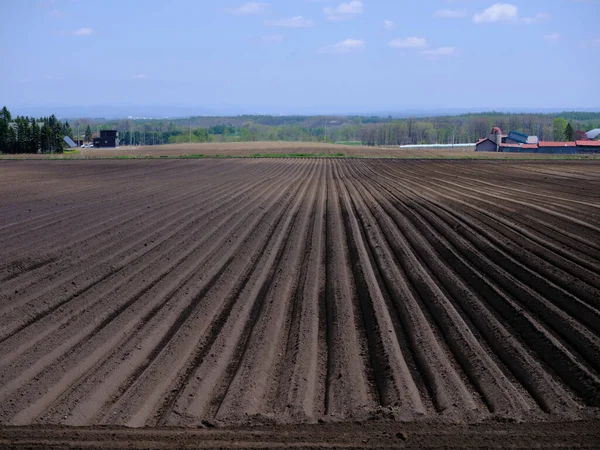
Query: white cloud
[[441, 52], [249, 8], [139, 76], [552, 37], [409, 42], [292, 22], [272, 39], [344, 47], [83, 31], [388, 24], [500, 12], [538, 18], [344, 11], [507, 13], [450, 13]]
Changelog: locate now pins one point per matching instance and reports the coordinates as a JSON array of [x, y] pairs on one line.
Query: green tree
[[57, 137], [46, 138], [558, 129], [88, 134], [5, 119], [569, 133], [35, 135], [66, 130]]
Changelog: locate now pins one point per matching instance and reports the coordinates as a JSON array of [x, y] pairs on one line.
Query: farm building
[[515, 148], [588, 146], [558, 147], [593, 134], [515, 138], [490, 144], [515, 142], [486, 145], [108, 138]]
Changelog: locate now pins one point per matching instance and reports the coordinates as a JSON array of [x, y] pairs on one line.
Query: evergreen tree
[[35, 135], [569, 133], [4, 126], [66, 130], [46, 138], [57, 137], [5, 114], [88, 134]]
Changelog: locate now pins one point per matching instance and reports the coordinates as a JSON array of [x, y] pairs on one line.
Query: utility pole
[[190, 130]]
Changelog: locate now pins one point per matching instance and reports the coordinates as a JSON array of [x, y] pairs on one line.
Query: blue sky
[[301, 55]]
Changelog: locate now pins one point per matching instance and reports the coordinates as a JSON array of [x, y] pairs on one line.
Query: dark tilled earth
[[314, 303]]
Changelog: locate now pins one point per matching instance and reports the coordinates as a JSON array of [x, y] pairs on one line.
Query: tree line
[[384, 131], [29, 135], [22, 134]]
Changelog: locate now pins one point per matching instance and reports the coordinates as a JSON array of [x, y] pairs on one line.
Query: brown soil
[[453, 302], [355, 435]]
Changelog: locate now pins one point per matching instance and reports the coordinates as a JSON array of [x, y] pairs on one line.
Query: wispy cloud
[[272, 39], [292, 22], [248, 9], [409, 42], [83, 31], [389, 25], [450, 13], [590, 43], [507, 13], [139, 76], [445, 52], [344, 11], [344, 47], [552, 37]]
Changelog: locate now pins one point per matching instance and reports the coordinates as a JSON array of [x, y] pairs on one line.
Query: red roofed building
[[558, 147], [556, 144], [515, 148], [588, 146]]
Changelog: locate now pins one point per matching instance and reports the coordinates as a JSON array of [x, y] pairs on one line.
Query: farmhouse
[[107, 139]]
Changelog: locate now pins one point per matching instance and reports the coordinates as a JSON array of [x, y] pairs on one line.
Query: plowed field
[[287, 291]]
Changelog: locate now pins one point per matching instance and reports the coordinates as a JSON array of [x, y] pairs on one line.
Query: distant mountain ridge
[[163, 112]]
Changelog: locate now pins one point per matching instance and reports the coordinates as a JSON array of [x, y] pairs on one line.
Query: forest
[[23, 134], [373, 131]]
